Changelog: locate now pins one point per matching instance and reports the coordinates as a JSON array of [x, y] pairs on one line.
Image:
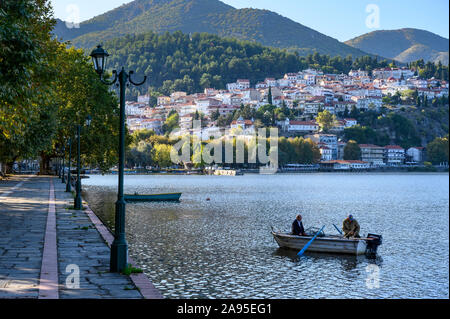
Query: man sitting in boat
[[350, 227], [297, 227]]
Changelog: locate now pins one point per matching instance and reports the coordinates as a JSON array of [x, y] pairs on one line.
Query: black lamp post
[[58, 164], [69, 177], [78, 202], [63, 173], [119, 248]]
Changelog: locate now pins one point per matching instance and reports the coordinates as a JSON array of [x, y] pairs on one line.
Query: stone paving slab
[[28, 263], [80, 246], [23, 216]]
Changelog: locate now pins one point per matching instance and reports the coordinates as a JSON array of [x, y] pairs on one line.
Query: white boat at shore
[[328, 244]]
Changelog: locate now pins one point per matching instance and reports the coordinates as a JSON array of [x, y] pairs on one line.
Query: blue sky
[[339, 19]]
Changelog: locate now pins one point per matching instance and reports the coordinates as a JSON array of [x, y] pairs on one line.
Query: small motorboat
[[330, 243], [169, 197]]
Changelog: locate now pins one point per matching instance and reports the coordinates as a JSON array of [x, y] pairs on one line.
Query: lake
[[222, 248]]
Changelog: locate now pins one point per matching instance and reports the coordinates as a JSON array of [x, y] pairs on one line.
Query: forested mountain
[[177, 61], [404, 45], [211, 16]]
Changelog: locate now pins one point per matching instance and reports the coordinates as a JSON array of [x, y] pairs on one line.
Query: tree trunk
[[9, 166], [44, 168]]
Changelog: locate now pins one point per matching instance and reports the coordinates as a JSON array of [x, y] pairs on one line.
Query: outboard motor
[[372, 244]]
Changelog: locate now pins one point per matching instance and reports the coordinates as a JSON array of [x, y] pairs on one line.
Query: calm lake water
[[223, 248]]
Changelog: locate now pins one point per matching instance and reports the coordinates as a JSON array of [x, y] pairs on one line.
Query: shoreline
[[256, 172]]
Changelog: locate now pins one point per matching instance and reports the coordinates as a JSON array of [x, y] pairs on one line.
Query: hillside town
[[306, 94]]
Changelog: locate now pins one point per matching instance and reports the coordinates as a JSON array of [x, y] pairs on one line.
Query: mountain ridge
[[404, 45], [210, 16]]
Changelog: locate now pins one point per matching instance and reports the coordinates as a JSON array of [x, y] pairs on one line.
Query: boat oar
[[309, 243], [337, 229]]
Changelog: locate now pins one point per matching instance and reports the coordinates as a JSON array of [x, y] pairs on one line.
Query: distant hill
[[404, 45], [211, 16], [182, 62]]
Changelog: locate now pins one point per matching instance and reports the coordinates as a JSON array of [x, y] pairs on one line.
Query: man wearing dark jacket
[[297, 227]]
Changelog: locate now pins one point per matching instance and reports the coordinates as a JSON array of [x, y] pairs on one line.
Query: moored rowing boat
[[153, 197]]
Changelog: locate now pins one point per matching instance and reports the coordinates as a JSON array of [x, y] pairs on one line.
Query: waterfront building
[[394, 155], [325, 152], [340, 165], [330, 140], [373, 154], [416, 154]]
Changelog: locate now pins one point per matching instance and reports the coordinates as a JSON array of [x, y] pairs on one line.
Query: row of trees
[[429, 70], [47, 89], [148, 149]]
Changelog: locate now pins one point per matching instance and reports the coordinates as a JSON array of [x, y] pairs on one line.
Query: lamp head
[[99, 57]]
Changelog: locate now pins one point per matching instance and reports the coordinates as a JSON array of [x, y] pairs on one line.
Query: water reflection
[[223, 248]]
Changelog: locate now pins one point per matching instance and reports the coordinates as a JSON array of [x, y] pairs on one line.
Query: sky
[[339, 19]]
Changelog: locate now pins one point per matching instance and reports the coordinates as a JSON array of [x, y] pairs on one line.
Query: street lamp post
[[78, 202], [69, 177], [119, 247], [63, 175], [58, 161]]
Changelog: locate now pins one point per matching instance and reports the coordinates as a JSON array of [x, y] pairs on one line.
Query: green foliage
[[161, 155], [131, 270], [47, 90], [211, 16], [404, 132], [382, 129], [141, 135], [326, 120], [297, 151], [171, 123], [182, 62], [365, 135], [27, 57], [80, 93], [437, 150], [430, 69], [352, 151]]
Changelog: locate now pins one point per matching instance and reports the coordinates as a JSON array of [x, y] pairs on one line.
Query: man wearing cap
[[297, 227], [350, 227]]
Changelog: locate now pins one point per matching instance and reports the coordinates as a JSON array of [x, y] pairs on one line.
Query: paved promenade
[[50, 251]]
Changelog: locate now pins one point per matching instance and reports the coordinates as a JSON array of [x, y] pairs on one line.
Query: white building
[[394, 155], [300, 126], [345, 165], [350, 122], [366, 102], [144, 99], [244, 126], [372, 154], [416, 154]]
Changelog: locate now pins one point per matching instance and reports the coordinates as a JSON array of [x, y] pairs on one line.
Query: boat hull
[[171, 197], [335, 245]]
